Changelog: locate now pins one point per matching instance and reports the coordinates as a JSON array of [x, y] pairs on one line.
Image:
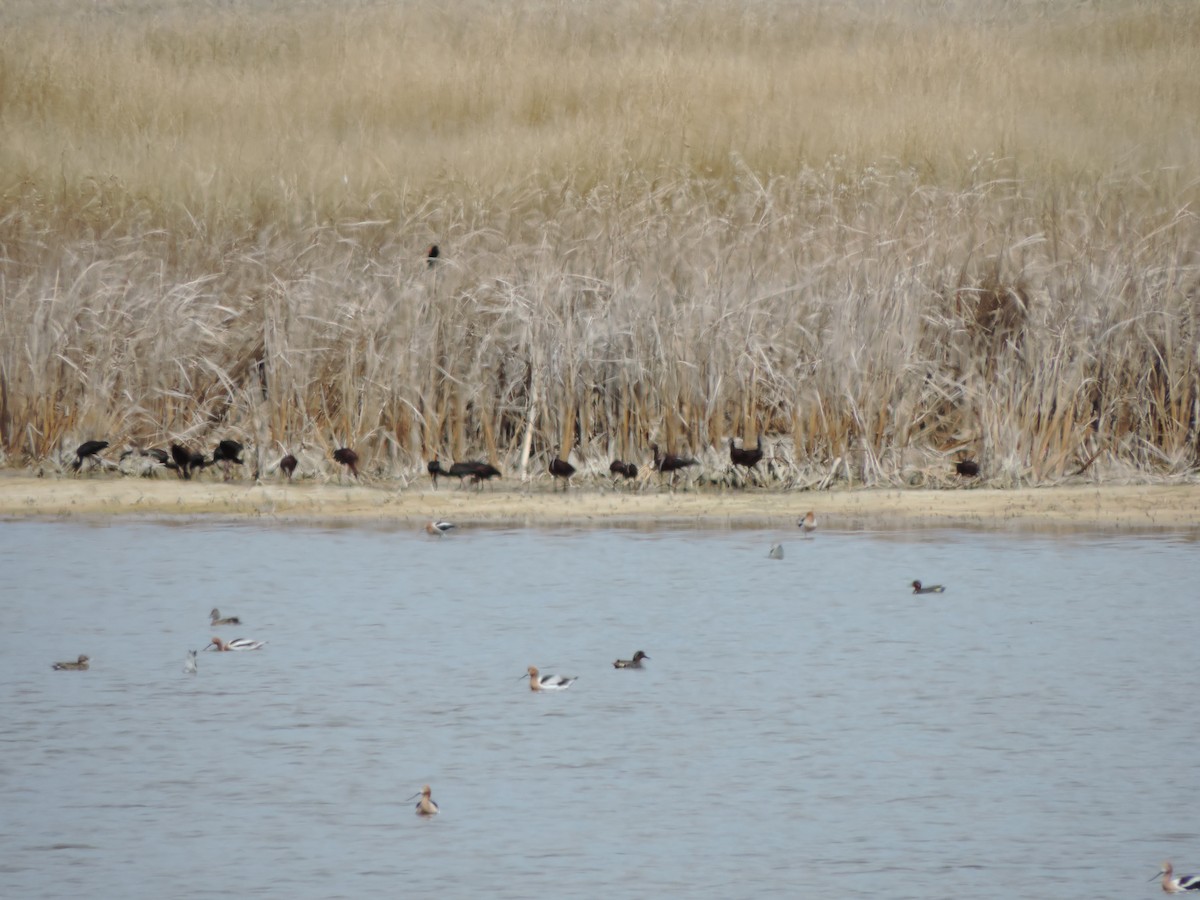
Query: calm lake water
[[806, 728]]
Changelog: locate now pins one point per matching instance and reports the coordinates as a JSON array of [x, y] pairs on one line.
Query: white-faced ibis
[[746, 458], [438, 528], [560, 468], [625, 469], [287, 466], [482, 471], [86, 449], [186, 461], [80, 665], [347, 458], [477, 470], [967, 468], [227, 453], [431, 255], [918, 588], [635, 663], [670, 464], [425, 806]]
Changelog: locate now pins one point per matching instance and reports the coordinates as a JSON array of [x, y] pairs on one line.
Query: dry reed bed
[[200, 260]]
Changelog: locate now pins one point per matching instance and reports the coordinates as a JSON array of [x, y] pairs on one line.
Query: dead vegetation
[[646, 238]]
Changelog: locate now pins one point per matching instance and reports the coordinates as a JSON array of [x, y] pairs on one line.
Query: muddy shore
[[1118, 507]]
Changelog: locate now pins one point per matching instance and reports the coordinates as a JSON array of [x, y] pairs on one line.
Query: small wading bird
[[932, 589], [227, 454], [437, 529], [547, 682], [560, 468], [425, 806], [670, 464], [431, 255], [635, 663], [189, 663], [235, 644], [347, 458], [776, 552], [86, 449], [748, 459], [287, 465], [216, 619], [80, 665], [808, 523], [967, 468], [1177, 884]]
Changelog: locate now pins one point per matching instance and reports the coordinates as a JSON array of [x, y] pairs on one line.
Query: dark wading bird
[[347, 458], [748, 459], [86, 449], [625, 469], [670, 464], [477, 470], [967, 468], [560, 468], [287, 465], [186, 460], [227, 453]]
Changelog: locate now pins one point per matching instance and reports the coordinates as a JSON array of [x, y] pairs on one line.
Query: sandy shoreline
[[1122, 507]]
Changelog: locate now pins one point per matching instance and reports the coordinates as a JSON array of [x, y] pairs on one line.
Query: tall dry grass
[[878, 233]]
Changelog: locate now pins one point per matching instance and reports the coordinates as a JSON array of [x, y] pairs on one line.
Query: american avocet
[[776, 552], [932, 589], [235, 644], [425, 806], [80, 665], [635, 663], [189, 664], [808, 524], [1177, 884], [437, 529], [215, 615], [547, 682]]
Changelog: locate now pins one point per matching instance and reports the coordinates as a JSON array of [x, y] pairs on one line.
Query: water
[[806, 727]]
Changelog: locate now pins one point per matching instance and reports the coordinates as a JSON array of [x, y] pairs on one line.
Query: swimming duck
[[80, 665], [548, 682], [215, 615], [189, 664], [932, 589], [776, 552], [425, 806], [1177, 884], [635, 663], [235, 644]]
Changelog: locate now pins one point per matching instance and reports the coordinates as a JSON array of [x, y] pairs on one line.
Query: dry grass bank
[[882, 234]]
